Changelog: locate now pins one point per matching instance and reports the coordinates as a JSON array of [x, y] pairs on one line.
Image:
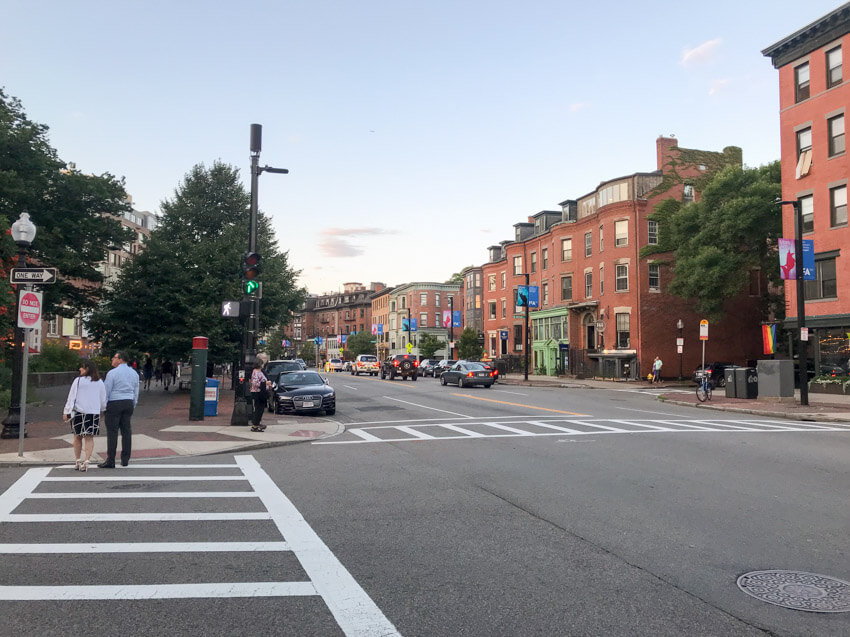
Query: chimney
[[663, 146]]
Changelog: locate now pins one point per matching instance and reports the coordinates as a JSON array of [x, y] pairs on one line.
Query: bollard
[[199, 377]]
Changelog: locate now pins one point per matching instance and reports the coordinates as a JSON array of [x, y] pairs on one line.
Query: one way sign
[[40, 276]]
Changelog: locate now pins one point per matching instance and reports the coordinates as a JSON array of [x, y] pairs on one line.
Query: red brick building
[[813, 98], [603, 309]]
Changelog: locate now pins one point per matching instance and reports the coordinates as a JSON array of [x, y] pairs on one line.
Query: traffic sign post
[[703, 336], [38, 276], [29, 309]]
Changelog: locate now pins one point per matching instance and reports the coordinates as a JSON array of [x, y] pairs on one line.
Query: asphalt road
[[444, 512]]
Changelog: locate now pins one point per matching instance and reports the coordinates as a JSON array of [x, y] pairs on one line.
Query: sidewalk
[[821, 407], [161, 428]]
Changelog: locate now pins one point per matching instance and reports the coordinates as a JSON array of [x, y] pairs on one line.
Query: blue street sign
[[503, 335], [456, 318], [408, 325], [343, 338], [528, 295], [318, 340], [809, 273], [380, 328], [413, 325]]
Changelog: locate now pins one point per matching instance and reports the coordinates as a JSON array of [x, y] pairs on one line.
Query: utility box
[[729, 377], [211, 397], [776, 379], [746, 382]]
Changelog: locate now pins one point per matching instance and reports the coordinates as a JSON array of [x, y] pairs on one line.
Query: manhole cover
[[798, 591]]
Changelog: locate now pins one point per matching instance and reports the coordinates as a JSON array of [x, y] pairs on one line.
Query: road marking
[[144, 547], [415, 433], [131, 517], [465, 432], [520, 432], [453, 413], [110, 478], [353, 609], [367, 437], [502, 402], [504, 391], [350, 387], [545, 425], [167, 494], [159, 591], [649, 411]]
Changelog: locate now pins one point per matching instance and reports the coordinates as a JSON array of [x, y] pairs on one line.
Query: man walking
[[122, 395], [656, 370]]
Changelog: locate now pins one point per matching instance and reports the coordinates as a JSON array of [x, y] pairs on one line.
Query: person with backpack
[[259, 394]]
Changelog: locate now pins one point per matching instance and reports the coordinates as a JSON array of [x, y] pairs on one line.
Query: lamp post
[[451, 324], [801, 301], [526, 345], [680, 345], [14, 424]]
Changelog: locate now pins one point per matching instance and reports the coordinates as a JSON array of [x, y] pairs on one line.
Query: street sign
[[678, 349], [680, 342], [40, 276], [230, 309], [409, 347], [29, 309], [503, 335], [703, 330], [600, 326], [804, 333]]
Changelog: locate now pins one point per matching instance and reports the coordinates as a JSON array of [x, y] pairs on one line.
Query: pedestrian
[[175, 369], [122, 395], [656, 370], [259, 394], [167, 368], [147, 370], [158, 374], [86, 402]]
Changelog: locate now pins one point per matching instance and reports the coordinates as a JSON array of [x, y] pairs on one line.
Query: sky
[[416, 134]]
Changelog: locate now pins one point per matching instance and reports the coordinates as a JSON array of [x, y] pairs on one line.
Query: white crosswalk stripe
[[354, 611], [538, 427]]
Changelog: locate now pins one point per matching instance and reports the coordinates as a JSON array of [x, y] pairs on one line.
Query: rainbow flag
[[768, 335]]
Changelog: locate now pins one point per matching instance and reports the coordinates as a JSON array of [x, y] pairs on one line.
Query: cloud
[[335, 242], [575, 107], [701, 54], [718, 85]]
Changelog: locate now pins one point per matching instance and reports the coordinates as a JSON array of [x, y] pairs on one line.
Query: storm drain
[[798, 590]]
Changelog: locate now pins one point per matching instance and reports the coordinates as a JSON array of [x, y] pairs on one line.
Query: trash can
[[731, 386], [211, 397], [751, 376]]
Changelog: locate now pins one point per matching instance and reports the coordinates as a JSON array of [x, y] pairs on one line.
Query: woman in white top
[[86, 401]]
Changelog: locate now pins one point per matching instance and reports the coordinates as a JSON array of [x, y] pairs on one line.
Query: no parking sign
[[29, 309]]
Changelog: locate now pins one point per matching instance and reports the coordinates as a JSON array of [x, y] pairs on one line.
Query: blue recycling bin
[[211, 397]]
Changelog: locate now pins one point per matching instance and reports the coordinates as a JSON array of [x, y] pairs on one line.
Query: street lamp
[[23, 232], [801, 301], [680, 345]]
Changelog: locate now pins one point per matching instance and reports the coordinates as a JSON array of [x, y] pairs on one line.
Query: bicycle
[[704, 389]]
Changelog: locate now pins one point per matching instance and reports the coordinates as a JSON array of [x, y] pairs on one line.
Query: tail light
[[395, 363], [469, 374], [416, 363], [492, 373]]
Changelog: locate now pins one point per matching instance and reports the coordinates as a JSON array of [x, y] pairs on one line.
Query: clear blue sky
[[432, 125]]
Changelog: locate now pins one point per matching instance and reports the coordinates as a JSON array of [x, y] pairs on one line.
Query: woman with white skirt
[[86, 401]]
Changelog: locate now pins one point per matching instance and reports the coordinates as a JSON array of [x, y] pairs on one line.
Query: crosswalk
[[476, 429], [353, 610]]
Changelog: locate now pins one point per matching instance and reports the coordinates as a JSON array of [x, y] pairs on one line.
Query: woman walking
[[86, 401], [259, 394]]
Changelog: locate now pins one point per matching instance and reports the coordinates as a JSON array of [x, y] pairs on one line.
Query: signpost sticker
[[29, 309], [703, 330]]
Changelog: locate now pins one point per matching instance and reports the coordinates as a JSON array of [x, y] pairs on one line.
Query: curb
[[807, 417]]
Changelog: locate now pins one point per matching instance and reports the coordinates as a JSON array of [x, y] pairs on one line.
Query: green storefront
[[550, 342]]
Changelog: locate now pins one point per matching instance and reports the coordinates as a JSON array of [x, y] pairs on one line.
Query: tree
[[720, 239], [457, 277], [174, 289], [467, 345], [360, 343], [429, 344], [308, 352], [74, 214]]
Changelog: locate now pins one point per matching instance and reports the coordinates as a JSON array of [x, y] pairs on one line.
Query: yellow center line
[[503, 402]]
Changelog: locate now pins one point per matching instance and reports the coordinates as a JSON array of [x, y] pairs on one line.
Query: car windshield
[[474, 366], [275, 368], [298, 379]]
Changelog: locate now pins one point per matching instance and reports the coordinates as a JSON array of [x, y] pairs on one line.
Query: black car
[[303, 392], [442, 366], [274, 369], [466, 374], [404, 365], [715, 372], [427, 366]]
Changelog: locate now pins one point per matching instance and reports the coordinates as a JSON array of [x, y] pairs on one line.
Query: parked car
[[365, 364], [334, 365], [404, 365], [490, 367], [303, 392], [274, 369], [346, 366], [832, 370], [442, 366], [426, 366], [467, 374], [715, 372], [301, 360]]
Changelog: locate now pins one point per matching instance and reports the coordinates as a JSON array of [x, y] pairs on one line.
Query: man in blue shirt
[[122, 395]]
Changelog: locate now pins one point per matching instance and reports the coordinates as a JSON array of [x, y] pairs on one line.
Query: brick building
[[813, 98], [604, 309]]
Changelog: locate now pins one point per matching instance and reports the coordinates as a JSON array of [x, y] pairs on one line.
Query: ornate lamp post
[[680, 325], [23, 232]]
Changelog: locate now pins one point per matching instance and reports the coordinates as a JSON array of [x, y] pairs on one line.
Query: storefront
[[550, 345], [829, 342]]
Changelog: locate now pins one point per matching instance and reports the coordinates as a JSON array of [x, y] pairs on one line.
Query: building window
[[655, 277], [688, 193], [545, 292], [517, 265], [545, 255], [588, 284], [801, 81], [492, 307], [423, 320], [477, 301], [533, 262], [503, 280], [52, 328], [517, 338], [601, 240], [836, 135], [423, 298], [436, 299], [403, 302], [838, 206], [825, 286], [588, 244], [566, 249], [622, 280], [652, 232], [504, 308], [833, 67], [807, 209], [804, 152], [491, 282], [566, 288], [621, 233], [601, 280], [622, 321]]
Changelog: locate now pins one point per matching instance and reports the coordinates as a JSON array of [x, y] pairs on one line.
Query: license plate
[[307, 403], [479, 374]]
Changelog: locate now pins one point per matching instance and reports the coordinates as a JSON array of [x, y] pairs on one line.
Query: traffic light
[[251, 286], [251, 266]]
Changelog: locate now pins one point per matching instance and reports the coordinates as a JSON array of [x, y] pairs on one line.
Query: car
[[426, 366], [490, 367], [334, 365], [442, 366], [365, 364], [301, 360], [273, 369], [404, 365], [303, 392], [832, 370], [346, 366], [468, 374], [715, 372]]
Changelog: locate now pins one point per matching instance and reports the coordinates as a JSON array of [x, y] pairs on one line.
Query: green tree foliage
[[174, 289], [720, 239], [67, 207], [307, 353], [457, 278], [429, 344], [359, 343], [55, 357], [467, 345]]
